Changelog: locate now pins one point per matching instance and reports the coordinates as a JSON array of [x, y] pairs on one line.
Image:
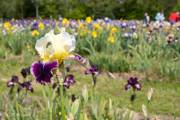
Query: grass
[[165, 99]]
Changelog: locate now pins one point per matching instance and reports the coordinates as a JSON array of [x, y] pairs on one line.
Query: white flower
[[53, 46]]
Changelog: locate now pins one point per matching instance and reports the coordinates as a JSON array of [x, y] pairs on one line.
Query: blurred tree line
[[126, 9]]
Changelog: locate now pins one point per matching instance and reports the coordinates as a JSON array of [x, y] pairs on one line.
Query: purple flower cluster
[[15, 81]]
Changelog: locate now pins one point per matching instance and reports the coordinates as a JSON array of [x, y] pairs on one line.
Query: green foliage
[[16, 44], [2, 52], [111, 62], [128, 9]]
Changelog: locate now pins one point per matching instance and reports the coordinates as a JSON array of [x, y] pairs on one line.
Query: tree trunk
[[37, 11]]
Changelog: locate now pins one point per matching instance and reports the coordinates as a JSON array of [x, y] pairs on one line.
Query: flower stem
[[62, 102], [62, 94]]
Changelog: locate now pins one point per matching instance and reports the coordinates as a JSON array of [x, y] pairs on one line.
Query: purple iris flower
[[92, 70], [133, 28], [34, 26], [107, 20], [80, 59], [68, 81], [43, 71], [124, 25], [46, 22], [133, 82], [25, 72], [13, 81], [53, 24], [10, 84], [26, 85]]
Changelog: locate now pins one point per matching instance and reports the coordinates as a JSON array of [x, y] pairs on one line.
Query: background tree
[[37, 4], [78, 9]]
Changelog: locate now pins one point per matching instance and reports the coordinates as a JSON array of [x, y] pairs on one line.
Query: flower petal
[[50, 65], [36, 68], [42, 43], [138, 86], [127, 86], [42, 71]]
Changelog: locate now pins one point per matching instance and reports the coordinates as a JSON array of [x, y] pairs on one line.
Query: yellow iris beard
[[56, 56]]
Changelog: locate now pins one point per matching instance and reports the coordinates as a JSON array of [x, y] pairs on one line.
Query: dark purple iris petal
[[42, 71], [25, 72], [132, 81], [68, 81]]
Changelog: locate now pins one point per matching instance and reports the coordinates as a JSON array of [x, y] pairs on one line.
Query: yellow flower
[[35, 33], [94, 34], [55, 47], [88, 20], [41, 26], [114, 29], [111, 39], [8, 26], [81, 25], [65, 21], [96, 26], [60, 56]]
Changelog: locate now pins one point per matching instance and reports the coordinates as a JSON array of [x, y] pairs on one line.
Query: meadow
[[121, 70]]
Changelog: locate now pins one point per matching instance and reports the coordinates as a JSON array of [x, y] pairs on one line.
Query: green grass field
[[165, 99]]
